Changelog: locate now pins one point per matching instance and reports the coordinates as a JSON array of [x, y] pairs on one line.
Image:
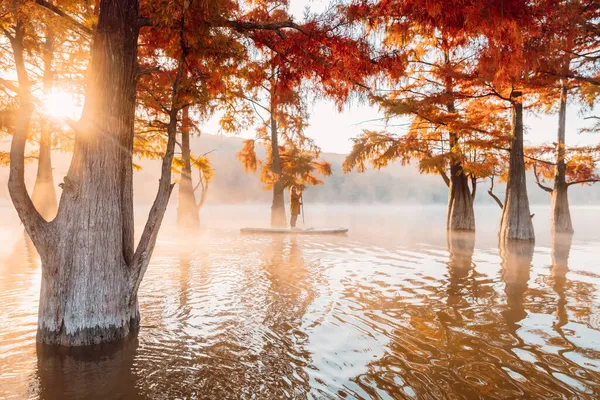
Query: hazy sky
[[332, 130]]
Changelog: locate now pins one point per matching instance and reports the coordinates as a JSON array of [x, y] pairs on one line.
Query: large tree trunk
[[278, 219], [86, 295], [561, 214], [90, 272], [187, 211], [516, 219], [44, 193]]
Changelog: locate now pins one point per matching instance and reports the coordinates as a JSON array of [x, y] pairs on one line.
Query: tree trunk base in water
[[561, 214], [278, 219], [516, 221], [87, 292], [89, 336], [461, 216]]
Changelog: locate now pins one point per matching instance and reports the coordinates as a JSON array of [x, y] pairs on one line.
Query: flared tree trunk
[[278, 219], [561, 214], [187, 211], [86, 296], [44, 193], [516, 219], [461, 216], [90, 272]]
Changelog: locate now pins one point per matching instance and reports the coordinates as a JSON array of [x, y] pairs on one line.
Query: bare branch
[[34, 223], [142, 255], [537, 180], [443, 175], [491, 193], [584, 181], [272, 26]]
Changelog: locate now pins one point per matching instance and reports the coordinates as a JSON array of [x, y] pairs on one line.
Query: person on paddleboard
[[295, 203]]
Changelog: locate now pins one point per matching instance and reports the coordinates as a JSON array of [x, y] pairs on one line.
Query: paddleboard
[[287, 231]]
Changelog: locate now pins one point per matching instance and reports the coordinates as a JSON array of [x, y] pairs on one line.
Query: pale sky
[[332, 130]]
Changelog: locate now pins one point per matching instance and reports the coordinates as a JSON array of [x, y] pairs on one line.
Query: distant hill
[[395, 184]]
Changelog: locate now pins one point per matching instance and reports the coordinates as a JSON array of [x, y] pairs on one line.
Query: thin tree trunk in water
[[44, 193], [516, 219], [461, 216], [561, 214], [187, 210], [278, 219]]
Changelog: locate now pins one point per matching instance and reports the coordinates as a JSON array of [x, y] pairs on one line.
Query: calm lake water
[[393, 310]]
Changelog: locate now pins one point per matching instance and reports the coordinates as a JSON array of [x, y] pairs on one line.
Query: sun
[[59, 104]]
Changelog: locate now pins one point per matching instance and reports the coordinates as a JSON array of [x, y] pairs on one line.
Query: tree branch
[[49, 6], [491, 193], [580, 78], [145, 247], [584, 181], [443, 175], [537, 180], [34, 223], [272, 26]]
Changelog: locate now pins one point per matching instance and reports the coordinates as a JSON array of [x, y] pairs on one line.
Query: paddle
[[302, 205]]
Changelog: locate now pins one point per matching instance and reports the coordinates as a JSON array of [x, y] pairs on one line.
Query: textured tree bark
[[44, 193], [187, 211], [278, 219], [461, 216], [86, 292], [90, 273], [516, 221], [561, 214]]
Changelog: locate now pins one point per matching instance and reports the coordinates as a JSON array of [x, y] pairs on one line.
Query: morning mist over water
[[393, 309]]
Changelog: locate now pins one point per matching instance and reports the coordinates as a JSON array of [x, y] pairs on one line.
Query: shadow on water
[[561, 247], [461, 246], [516, 269], [97, 372], [283, 358]]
